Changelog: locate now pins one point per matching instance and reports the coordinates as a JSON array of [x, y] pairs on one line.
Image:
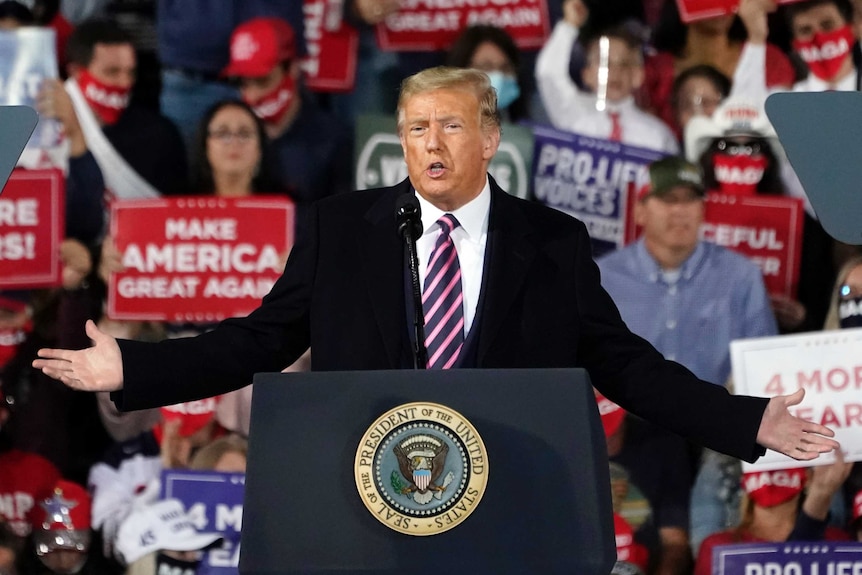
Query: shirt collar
[[652, 270], [620, 106], [473, 216], [845, 84]]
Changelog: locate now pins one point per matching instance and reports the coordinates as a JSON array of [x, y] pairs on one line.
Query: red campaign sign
[[32, 226], [198, 259], [767, 229], [428, 25], [332, 45], [691, 10]]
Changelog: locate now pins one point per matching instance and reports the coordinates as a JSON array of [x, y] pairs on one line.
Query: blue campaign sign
[[214, 502], [589, 179], [788, 558]]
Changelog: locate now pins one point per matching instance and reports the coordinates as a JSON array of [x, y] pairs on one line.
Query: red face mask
[[826, 51], [738, 174], [272, 106], [108, 102], [771, 488]]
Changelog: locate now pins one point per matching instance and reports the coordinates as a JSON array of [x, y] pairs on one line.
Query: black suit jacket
[[342, 293]]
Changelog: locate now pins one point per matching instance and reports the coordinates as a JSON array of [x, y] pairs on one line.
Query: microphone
[[408, 216]]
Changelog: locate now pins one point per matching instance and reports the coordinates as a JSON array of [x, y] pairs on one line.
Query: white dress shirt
[[469, 239], [572, 110]]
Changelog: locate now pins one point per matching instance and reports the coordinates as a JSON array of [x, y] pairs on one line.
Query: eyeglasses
[[225, 136], [698, 103], [739, 149]]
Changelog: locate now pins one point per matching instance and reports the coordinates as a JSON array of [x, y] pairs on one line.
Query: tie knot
[[447, 223]]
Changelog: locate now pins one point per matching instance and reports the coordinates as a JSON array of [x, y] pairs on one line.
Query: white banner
[[27, 57], [828, 365]]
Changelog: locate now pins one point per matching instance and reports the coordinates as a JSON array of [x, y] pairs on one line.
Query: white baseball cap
[[162, 525], [734, 117]]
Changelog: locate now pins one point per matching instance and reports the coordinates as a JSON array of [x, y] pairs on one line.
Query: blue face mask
[[507, 88]]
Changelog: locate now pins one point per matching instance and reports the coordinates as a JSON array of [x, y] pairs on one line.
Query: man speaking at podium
[[506, 284]]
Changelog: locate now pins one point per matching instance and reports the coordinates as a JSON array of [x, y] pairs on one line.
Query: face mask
[[850, 313], [771, 488], [108, 102], [507, 88], [826, 51], [165, 564], [271, 107], [738, 174]]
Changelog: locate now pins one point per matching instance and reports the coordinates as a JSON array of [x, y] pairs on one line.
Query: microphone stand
[[408, 216], [420, 354]]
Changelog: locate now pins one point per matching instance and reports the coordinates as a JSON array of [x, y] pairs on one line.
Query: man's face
[[253, 89], [625, 70], [820, 18], [114, 65], [672, 220], [446, 150]]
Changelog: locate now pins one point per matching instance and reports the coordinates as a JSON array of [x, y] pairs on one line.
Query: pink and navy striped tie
[[442, 300]]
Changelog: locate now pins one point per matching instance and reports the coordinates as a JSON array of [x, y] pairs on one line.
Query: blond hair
[[449, 78], [209, 455]]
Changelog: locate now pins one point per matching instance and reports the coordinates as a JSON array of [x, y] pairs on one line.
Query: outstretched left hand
[[790, 435]]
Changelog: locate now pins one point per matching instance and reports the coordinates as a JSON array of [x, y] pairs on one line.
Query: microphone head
[[408, 215]]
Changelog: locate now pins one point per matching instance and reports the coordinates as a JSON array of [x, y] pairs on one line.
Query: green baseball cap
[[667, 173]]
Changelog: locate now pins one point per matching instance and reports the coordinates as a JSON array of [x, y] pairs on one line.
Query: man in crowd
[[529, 296], [192, 55], [617, 117], [312, 151], [690, 299], [687, 297], [822, 37], [131, 151]]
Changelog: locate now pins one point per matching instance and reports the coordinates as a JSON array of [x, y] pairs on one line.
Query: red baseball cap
[[193, 415], [259, 45], [612, 414]]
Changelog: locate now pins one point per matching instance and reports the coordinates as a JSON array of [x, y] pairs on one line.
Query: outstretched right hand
[[97, 368]]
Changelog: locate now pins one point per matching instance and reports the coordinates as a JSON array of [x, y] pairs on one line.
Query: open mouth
[[435, 169]]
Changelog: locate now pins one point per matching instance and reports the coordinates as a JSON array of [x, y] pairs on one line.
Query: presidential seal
[[421, 468]]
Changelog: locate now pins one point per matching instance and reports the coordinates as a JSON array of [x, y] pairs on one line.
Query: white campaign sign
[[828, 365]]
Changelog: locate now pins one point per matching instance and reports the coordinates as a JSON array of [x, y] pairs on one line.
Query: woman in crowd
[[230, 156], [845, 312], [715, 41], [697, 91], [745, 158], [772, 510], [848, 288], [493, 51], [229, 161]]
